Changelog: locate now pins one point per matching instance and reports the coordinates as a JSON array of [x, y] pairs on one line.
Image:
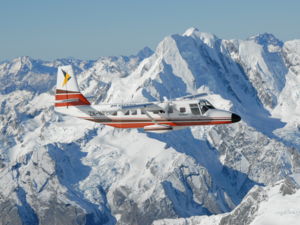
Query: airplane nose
[[235, 118]]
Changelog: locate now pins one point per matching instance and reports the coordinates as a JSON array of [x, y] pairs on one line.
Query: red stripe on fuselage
[[129, 124], [140, 125], [143, 119]]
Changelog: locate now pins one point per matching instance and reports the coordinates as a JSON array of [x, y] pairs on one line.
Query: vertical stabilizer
[[67, 90]]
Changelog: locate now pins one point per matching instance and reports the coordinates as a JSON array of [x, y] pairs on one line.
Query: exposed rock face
[[62, 170], [256, 208]]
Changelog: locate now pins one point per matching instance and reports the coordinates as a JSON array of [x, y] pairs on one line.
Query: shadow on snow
[[70, 172], [233, 182]]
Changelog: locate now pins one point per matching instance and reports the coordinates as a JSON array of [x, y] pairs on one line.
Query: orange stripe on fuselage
[[141, 125]]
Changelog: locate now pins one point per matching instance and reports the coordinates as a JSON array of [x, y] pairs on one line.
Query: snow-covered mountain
[[62, 170]]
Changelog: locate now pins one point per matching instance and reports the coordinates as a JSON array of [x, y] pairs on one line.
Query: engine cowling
[[158, 128]]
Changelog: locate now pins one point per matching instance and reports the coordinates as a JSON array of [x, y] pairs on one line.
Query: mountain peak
[[266, 39], [191, 31], [22, 59], [47, 155], [145, 53], [206, 38]]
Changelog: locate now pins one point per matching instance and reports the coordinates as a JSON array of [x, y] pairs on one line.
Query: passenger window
[[170, 109], [195, 109], [182, 110], [114, 113], [126, 113], [142, 112]]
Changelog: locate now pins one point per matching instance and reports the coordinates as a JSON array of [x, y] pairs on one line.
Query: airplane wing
[[117, 107], [159, 105], [148, 106], [138, 106], [191, 96]]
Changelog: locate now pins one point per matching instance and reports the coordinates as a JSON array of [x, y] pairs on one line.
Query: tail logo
[[67, 78]]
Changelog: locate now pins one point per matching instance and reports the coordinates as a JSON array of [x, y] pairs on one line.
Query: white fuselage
[[163, 115]]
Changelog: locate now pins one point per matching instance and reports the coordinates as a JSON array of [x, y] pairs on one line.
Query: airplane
[[158, 117]]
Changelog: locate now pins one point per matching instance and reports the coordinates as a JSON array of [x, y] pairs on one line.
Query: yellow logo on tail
[[67, 78]]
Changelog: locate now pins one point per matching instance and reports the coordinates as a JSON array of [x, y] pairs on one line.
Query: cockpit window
[[209, 105], [205, 105], [204, 109]]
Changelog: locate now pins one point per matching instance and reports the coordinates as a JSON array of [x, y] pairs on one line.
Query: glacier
[[55, 169]]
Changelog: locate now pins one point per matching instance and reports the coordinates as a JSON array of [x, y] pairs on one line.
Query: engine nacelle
[[158, 128], [164, 106]]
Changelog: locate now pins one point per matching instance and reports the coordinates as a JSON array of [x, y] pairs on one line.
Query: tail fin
[[67, 91]]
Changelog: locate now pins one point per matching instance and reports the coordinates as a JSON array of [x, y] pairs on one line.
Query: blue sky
[[90, 29]]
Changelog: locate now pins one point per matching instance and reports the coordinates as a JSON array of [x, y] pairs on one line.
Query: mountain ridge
[[102, 175]]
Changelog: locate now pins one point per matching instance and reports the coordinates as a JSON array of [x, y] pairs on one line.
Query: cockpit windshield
[[205, 105]]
